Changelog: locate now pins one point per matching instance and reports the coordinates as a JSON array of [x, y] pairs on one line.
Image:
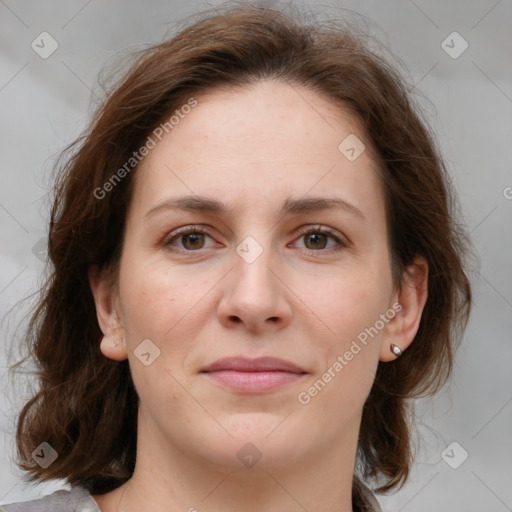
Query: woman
[[256, 267]]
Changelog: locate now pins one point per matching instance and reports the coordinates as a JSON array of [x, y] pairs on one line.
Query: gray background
[[45, 104]]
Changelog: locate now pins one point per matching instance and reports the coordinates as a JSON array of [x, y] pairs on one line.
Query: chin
[[258, 440]]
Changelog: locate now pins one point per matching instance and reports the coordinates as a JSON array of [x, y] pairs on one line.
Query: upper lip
[[260, 364]]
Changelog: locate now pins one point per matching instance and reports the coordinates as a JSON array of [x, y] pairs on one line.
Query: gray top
[[75, 500], [80, 500]]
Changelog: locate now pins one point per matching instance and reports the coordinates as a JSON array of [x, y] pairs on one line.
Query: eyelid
[[184, 230]]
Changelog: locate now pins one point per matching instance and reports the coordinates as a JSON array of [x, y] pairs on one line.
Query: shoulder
[[77, 499]]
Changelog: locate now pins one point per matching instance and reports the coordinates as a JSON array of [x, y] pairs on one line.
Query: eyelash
[[303, 232]]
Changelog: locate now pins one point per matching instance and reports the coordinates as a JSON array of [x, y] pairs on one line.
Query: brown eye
[[193, 241], [192, 238], [317, 240]]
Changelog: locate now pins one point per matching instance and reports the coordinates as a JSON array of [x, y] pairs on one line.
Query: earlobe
[[412, 297], [113, 348]]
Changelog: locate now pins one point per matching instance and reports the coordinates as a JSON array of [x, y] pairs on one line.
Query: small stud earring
[[116, 343], [396, 350]]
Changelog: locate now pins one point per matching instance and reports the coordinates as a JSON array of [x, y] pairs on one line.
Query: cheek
[[162, 302], [351, 307], [148, 297], [154, 306], [148, 304], [349, 302], [351, 355]]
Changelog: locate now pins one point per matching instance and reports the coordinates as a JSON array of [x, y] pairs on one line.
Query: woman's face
[[255, 165]]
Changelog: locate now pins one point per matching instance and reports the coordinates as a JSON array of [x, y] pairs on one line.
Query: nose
[[254, 293]]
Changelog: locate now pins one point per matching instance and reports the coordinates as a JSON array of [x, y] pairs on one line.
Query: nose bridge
[[254, 260], [253, 293]]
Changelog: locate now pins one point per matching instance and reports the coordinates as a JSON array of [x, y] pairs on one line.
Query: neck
[[168, 479]]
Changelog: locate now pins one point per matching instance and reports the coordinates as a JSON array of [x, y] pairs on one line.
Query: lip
[[258, 375], [260, 364]]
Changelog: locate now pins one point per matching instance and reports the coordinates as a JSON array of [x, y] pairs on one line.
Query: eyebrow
[[289, 206]]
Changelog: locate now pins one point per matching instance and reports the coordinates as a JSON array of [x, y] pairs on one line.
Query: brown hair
[[86, 405]]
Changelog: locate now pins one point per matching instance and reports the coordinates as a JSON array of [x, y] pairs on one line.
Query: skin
[[252, 148]]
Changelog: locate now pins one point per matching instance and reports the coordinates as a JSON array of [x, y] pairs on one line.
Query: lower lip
[[253, 382]]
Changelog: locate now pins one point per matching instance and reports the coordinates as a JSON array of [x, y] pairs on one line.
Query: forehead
[[248, 115], [257, 141]]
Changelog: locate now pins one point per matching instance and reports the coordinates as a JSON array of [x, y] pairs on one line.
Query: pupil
[[195, 237], [317, 237]]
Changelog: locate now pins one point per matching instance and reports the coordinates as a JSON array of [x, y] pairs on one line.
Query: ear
[[104, 290], [408, 304]]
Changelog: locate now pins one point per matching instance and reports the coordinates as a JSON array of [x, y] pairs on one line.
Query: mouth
[[253, 375]]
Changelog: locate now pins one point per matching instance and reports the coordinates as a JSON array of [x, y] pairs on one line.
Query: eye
[[316, 239], [193, 238]]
